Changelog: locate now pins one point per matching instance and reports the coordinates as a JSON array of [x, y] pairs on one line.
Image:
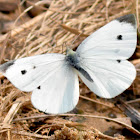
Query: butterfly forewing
[[30, 72], [115, 40]]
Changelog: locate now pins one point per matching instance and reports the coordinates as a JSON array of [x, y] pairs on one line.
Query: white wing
[[103, 57], [59, 93], [110, 78], [54, 83], [28, 73], [115, 40]]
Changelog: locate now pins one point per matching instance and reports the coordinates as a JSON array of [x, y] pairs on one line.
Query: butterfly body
[[74, 60], [100, 61]]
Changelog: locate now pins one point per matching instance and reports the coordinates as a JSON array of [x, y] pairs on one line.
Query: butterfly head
[[70, 51], [71, 57]]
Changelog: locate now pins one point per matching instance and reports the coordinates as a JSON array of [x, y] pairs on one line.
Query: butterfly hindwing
[[59, 93], [110, 78]]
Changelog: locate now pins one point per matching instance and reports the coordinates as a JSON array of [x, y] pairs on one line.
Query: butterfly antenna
[[68, 47], [63, 45], [76, 38]]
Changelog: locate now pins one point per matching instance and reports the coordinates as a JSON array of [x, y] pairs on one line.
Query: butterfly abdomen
[[74, 60], [84, 73]]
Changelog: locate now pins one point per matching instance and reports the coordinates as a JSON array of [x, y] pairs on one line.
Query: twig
[[29, 134], [91, 116], [130, 111], [95, 101], [136, 61], [26, 25], [13, 110], [133, 101], [103, 136]]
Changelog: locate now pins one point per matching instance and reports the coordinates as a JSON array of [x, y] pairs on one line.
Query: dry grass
[[50, 32]]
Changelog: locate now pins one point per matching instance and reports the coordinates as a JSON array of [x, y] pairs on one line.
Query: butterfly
[[100, 61]]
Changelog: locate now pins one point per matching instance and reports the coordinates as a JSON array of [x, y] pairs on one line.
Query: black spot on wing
[[119, 61], [119, 37], [5, 66], [34, 67], [23, 72], [128, 19], [39, 87]]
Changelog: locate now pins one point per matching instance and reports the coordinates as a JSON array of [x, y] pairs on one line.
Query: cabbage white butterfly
[[100, 61]]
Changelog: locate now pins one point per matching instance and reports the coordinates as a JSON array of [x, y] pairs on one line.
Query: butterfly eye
[[119, 37], [23, 72]]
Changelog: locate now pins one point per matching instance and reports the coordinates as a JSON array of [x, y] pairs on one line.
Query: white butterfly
[[100, 61]]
